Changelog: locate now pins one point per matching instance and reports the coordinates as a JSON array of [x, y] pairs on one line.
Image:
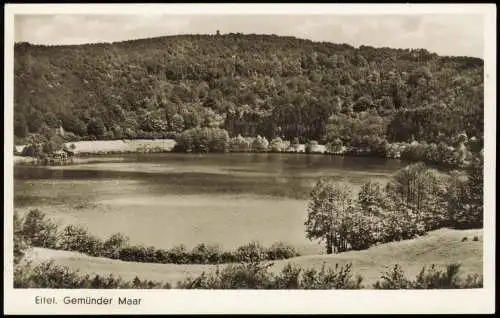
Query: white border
[[247, 8], [307, 302]]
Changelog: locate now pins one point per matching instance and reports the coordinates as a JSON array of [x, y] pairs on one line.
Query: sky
[[444, 34]]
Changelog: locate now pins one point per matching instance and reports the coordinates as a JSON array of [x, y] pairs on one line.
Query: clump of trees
[[416, 200], [260, 144], [37, 230], [217, 140], [465, 197], [202, 140], [42, 147]]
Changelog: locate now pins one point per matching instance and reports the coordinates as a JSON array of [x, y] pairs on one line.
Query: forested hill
[[251, 85]]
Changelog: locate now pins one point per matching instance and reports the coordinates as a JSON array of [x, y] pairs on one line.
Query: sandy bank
[[121, 146], [22, 159]]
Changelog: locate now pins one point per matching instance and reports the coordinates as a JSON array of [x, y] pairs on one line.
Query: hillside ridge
[[266, 85]]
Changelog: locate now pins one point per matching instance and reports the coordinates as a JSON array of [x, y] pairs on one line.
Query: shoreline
[[130, 146], [104, 148], [99, 156]]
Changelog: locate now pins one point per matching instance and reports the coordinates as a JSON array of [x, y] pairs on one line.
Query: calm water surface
[[170, 199]]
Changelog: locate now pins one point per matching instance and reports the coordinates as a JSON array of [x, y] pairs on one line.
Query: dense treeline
[[415, 200], [459, 154], [251, 85], [39, 231]]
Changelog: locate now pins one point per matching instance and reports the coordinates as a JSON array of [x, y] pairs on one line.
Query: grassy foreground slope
[[439, 247]]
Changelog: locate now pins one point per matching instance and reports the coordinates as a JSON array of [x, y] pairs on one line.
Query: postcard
[[249, 158]]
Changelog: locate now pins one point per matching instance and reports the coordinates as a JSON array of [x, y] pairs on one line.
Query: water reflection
[[282, 175], [168, 199]]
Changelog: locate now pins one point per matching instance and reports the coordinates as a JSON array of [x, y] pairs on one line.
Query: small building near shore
[[19, 149]]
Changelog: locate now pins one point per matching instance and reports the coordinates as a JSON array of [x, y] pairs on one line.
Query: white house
[[19, 149]]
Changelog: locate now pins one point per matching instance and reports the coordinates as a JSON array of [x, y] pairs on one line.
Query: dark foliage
[[416, 200], [39, 231], [248, 276], [429, 278], [250, 85], [50, 275]]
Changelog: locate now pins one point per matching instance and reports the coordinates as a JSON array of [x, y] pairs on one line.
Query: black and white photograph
[[332, 151]]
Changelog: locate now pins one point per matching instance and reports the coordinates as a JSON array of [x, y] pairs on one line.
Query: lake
[[169, 199]]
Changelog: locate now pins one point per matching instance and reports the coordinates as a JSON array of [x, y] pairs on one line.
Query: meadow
[[441, 247]]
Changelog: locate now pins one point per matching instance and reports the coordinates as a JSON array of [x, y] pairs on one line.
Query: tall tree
[[423, 190], [326, 214], [20, 125], [475, 185], [96, 127]]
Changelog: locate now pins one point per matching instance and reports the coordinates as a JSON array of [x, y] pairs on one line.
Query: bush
[[240, 144], [233, 276], [394, 150], [77, 238], [228, 257], [311, 146], [295, 144], [436, 279], [206, 254], [248, 276], [162, 256], [46, 275], [432, 278], [257, 276], [179, 255], [38, 231], [278, 145], [414, 152], [393, 279], [281, 250], [202, 140], [112, 246], [362, 231], [251, 253], [338, 278], [49, 275], [401, 223], [132, 254], [288, 278], [20, 243], [335, 147], [239, 276], [260, 144]]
